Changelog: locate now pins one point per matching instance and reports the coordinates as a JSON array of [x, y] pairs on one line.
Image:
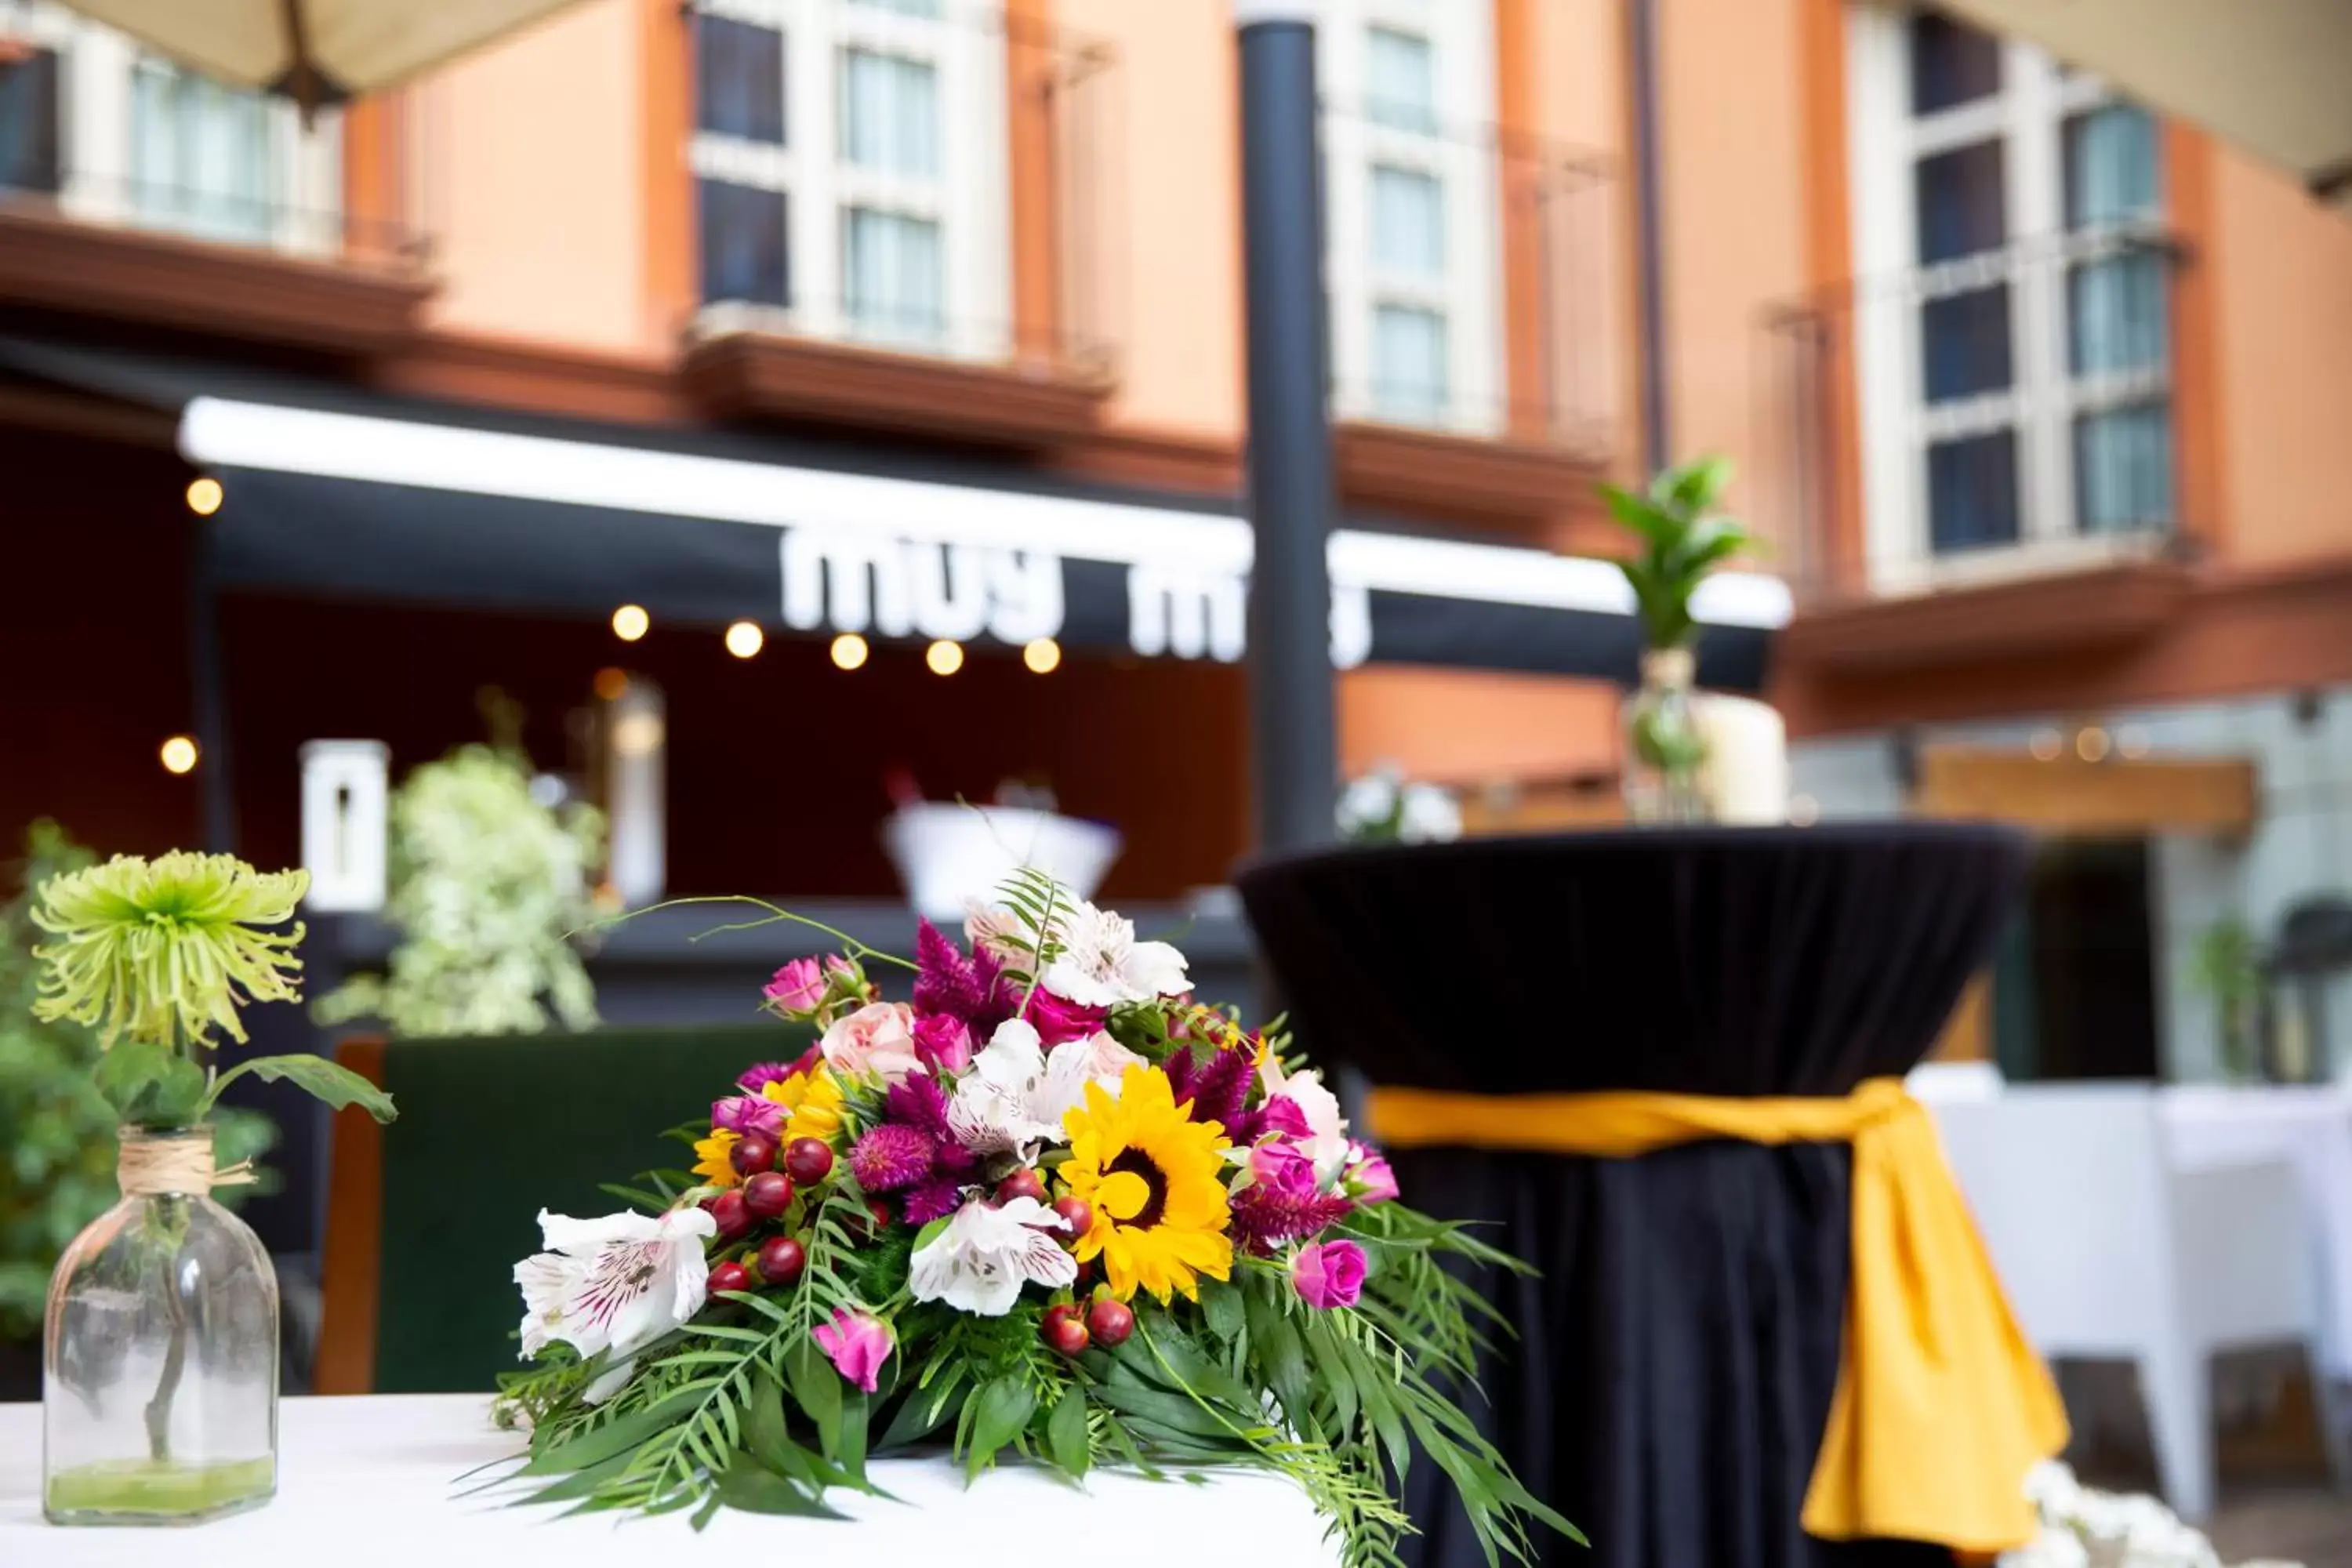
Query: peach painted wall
[[528, 177], [1175, 196], [1731, 129], [1469, 728], [2283, 272]]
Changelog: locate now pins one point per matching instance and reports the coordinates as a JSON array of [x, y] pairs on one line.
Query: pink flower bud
[[859, 1342], [943, 1042], [798, 987], [1328, 1274]]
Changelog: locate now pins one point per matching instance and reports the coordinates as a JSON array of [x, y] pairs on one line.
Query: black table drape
[[1676, 1353]]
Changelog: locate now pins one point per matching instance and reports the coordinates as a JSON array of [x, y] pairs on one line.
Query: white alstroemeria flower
[[1016, 1095], [1327, 1141], [995, 931], [1102, 964], [614, 1284], [987, 1252]]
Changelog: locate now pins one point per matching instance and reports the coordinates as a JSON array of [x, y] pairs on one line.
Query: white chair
[[2106, 1250], [1943, 1083]]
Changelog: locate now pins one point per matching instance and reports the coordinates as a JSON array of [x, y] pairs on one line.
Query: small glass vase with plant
[[1679, 538], [160, 1392], [2225, 966]]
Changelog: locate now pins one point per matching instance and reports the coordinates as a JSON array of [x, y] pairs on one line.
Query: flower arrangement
[[1052, 1208], [2085, 1527]]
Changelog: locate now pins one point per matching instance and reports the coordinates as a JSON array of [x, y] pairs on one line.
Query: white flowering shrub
[[485, 883], [2084, 1528]]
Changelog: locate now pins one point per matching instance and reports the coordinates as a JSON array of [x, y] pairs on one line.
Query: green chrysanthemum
[[167, 950]]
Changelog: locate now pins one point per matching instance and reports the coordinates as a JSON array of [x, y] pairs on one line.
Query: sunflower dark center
[[1136, 1163]]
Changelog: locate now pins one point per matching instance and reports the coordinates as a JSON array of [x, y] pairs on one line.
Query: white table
[[369, 1482], [2310, 1127]]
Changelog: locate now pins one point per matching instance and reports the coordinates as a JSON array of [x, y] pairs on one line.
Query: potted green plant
[[56, 1126], [160, 1388], [2225, 965], [1678, 537]]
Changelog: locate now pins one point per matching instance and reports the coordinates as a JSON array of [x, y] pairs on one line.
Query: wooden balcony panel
[[772, 375], [1440, 474], [54, 262], [2103, 607]]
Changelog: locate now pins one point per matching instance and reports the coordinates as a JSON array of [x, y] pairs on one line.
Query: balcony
[[1472, 334], [132, 190], [902, 222], [1977, 459]]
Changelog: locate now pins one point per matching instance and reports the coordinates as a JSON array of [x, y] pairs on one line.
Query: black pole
[[1641, 26], [209, 682], [1290, 427]]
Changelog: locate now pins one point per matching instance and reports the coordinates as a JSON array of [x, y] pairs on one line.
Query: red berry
[[754, 1153], [1024, 1183], [733, 1214], [1110, 1322], [729, 1276], [880, 1212], [1057, 1312], [1063, 1335], [809, 1161], [781, 1260], [1080, 1213], [768, 1194]]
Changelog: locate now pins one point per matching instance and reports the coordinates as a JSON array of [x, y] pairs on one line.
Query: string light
[[849, 651], [2092, 745], [745, 639], [179, 754], [630, 622], [611, 683], [945, 658], [1042, 656], [2046, 744], [204, 495]]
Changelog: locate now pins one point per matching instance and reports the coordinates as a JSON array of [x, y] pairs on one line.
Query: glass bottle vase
[[160, 1389], [1665, 748]]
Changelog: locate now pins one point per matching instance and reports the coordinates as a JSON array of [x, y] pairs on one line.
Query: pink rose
[[1056, 1018], [944, 1042], [1283, 1170], [1368, 1178], [859, 1343], [798, 987], [878, 1039], [1328, 1274]]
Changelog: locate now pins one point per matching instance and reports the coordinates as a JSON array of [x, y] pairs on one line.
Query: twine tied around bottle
[[146, 1167]]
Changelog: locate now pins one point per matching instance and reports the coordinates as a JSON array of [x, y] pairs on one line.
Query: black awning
[[329, 488]]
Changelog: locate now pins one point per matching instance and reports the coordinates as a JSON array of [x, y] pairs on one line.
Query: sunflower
[[814, 1098], [1154, 1180], [715, 1161]]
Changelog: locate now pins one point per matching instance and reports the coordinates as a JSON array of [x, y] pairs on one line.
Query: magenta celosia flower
[[918, 1100], [891, 1158], [933, 1199], [798, 987], [858, 1343], [1217, 1087], [943, 1042], [1328, 1274], [1057, 1019], [1368, 1177], [748, 1113], [1279, 1116], [947, 982], [1265, 1218]]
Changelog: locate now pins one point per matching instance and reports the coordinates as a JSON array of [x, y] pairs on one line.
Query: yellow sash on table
[[1941, 1406]]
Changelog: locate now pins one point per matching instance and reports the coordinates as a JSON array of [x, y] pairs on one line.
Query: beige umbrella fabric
[[2273, 76], [314, 51]]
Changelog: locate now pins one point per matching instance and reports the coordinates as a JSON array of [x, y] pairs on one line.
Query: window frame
[[2036, 260], [969, 199], [1468, 295]]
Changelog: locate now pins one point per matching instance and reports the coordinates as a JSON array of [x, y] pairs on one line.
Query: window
[[850, 155], [1410, 216], [2010, 325], [121, 136]]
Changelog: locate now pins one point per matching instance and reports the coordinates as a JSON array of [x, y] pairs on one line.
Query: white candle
[[1745, 777]]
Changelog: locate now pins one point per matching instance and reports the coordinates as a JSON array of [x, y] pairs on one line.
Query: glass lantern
[[160, 1395]]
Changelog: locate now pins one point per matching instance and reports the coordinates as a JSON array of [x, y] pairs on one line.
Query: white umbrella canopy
[[2273, 76], [314, 51]]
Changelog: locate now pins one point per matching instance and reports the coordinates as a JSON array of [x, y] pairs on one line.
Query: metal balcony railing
[[1469, 275], [931, 176], [2001, 413]]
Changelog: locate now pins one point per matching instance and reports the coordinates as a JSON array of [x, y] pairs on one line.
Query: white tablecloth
[[2309, 1128], [370, 1482]]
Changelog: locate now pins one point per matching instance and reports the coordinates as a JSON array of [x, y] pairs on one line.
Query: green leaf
[[150, 1084], [1642, 516], [618, 1436], [1065, 1432], [755, 1490], [1697, 485], [1281, 1357], [924, 1411], [816, 1389], [1222, 1307], [1001, 1414], [315, 1076], [854, 1415]]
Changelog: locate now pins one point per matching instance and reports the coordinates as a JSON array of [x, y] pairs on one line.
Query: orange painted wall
[[528, 171], [1171, 203], [2282, 270], [1469, 728]]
